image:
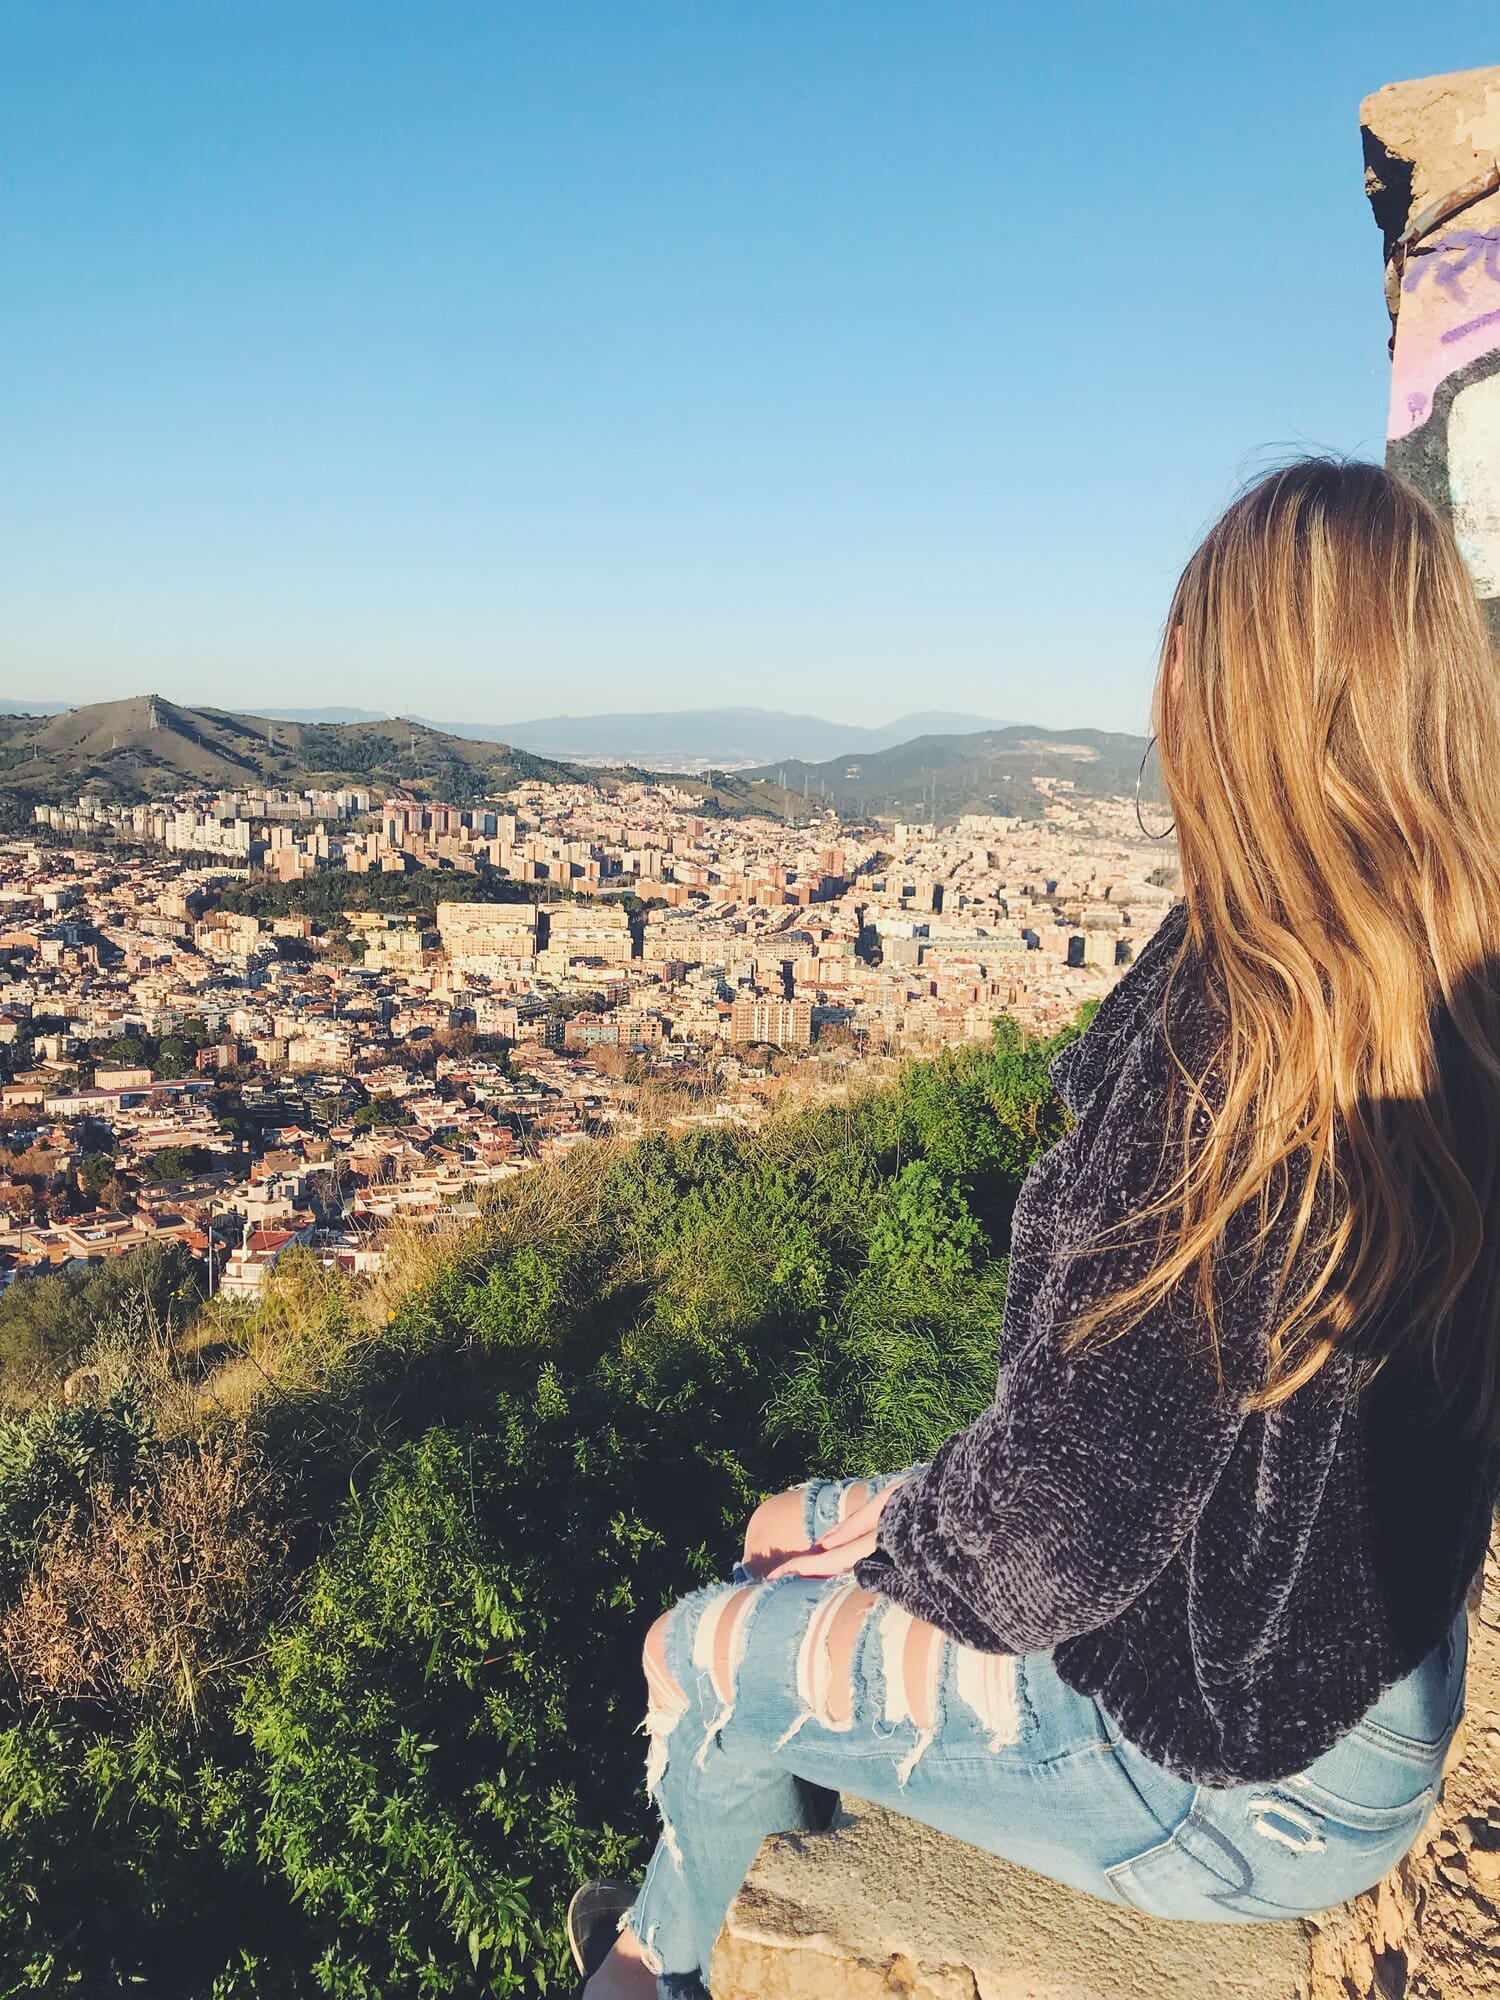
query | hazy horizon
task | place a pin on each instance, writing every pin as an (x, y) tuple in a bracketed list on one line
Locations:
[(496, 364)]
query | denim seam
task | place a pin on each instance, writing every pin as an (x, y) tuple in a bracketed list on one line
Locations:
[(1122, 1759), (1404, 1749), (1039, 1766), (1187, 1840)]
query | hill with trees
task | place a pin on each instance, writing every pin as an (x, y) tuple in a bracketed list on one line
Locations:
[(321, 1613), (990, 770), (147, 747)]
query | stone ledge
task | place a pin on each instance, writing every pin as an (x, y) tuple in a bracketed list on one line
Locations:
[(879, 1905)]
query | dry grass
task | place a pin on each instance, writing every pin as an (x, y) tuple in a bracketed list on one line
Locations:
[(138, 1602), (308, 1323)]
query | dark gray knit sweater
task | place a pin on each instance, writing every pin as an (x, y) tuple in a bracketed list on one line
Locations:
[(1235, 1590)]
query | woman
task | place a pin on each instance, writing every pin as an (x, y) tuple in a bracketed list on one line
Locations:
[(1179, 1619)]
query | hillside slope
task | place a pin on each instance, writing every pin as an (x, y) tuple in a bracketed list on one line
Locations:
[(145, 746), (321, 1624), (715, 735), (990, 770)]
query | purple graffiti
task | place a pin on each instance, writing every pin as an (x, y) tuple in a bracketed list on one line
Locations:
[(1471, 326), (1465, 247)]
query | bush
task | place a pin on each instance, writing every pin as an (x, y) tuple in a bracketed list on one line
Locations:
[(382, 1110), (177, 1163), (48, 1324), (136, 1602), (421, 1734), (923, 1229), (121, 1873), (52, 1460)]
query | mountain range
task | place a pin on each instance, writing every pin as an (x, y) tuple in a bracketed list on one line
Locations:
[(989, 770), (696, 737), (148, 746), (675, 739)]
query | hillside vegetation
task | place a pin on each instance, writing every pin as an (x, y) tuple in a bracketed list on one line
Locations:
[(990, 770), (149, 748), (322, 1616), (146, 747)]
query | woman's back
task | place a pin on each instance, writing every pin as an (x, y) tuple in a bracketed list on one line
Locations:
[(1236, 1587)]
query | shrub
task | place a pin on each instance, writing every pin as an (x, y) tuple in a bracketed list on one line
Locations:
[(51, 1461), (896, 1372), (176, 1163), (923, 1228), (381, 1110), (120, 1872), (422, 1728), (137, 1601), (48, 1324)]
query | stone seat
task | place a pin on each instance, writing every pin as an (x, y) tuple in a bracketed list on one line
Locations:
[(879, 1905)]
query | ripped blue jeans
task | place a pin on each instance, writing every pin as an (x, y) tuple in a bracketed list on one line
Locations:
[(768, 1690)]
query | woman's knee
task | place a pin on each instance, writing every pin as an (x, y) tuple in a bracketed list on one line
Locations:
[(654, 1652), (778, 1527), (714, 1624)]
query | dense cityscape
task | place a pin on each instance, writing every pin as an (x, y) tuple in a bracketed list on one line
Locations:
[(257, 1020)]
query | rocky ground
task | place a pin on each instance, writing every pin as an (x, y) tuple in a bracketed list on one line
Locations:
[(1432, 1930)]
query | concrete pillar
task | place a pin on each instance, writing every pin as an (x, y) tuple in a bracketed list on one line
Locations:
[(1431, 174)]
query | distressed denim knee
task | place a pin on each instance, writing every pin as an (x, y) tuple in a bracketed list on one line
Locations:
[(864, 1661), (693, 1657)]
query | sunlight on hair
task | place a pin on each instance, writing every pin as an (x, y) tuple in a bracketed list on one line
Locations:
[(1329, 750)]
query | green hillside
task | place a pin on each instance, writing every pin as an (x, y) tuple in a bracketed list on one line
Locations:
[(991, 771), (145, 746), (148, 748), (321, 1616)]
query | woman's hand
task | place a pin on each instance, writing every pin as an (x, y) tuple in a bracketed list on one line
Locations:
[(841, 1547)]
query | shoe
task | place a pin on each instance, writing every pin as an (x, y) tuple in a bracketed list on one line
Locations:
[(594, 1922)]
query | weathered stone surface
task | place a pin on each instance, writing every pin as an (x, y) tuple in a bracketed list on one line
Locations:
[(1435, 133), (1431, 142), (880, 1906)]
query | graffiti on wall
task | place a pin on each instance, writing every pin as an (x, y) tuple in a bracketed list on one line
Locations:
[(1444, 431)]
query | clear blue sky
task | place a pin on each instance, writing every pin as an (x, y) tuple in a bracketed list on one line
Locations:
[(489, 360)]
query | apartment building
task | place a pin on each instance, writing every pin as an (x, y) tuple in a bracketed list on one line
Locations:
[(785, 1023)]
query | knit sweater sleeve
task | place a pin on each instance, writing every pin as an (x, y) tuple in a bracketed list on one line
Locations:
[(1070, 1494)]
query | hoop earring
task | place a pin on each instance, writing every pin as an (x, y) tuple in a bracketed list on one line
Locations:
[(1171, 825)]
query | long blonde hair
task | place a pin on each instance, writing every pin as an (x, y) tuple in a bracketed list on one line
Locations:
[(1330, 742)]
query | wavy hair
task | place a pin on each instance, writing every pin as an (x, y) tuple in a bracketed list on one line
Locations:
[(1328, 713)]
